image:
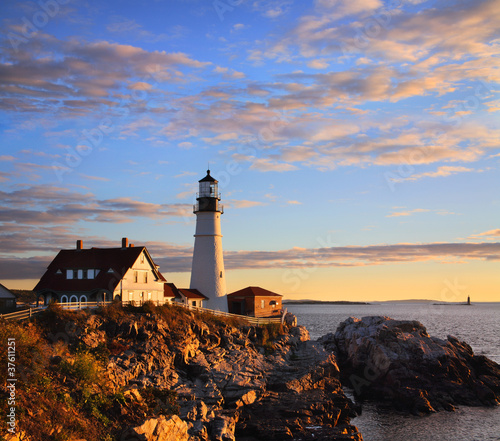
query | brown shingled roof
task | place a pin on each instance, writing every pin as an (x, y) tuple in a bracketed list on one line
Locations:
[(253, 291), (170, 290)]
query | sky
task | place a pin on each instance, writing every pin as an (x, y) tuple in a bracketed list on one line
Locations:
[(356, 143)]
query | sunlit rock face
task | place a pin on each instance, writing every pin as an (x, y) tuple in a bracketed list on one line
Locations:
[(397, 361)]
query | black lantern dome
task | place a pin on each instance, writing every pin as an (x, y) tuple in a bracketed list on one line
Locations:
[(208, 196)]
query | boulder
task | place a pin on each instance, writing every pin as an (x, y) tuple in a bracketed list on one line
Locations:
[(160, 429), (395, 360)]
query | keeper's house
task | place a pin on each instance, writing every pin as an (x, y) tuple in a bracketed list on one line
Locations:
[(126, 273), (255, 301)]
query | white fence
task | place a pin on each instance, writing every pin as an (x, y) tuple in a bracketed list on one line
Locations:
[(27, 313)]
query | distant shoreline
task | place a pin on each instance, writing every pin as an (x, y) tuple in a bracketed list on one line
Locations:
[(454, 304), (322, 302)]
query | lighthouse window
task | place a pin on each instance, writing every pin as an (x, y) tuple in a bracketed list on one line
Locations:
[(220, 275), (204, 189)]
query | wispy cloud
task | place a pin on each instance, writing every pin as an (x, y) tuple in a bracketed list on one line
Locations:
[(408, 212), (441, 172), (176, 258)]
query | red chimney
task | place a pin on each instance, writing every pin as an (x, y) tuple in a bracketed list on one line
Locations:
[(124, 242), (79, 244), (131, 245)]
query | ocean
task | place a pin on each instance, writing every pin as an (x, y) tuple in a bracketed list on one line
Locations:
[(478, 325)]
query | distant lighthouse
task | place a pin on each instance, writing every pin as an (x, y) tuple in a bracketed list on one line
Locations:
[(207, 272)]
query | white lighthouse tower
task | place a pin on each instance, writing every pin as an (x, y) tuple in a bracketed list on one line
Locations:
[(207, 273)]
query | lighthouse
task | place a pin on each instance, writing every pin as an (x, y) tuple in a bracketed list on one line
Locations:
[(207, 272)]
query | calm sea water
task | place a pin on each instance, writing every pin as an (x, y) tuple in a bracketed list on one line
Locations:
[(478, 325)]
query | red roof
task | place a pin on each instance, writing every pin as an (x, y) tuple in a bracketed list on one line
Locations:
[(169, 290), (113, 263), (192, 294), (254, 291)]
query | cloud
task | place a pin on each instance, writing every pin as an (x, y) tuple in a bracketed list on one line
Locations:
[(489, 235), (78, 76), (242, 203), (362, 256), (272, 8), (185, 173), (49, 205), (178, 258), (408, 212), (441, 172), (95, 178), (493, 233), (268, 165)]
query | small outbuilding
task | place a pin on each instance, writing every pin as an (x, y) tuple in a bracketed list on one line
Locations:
[(7, 300), (255, 301), (191, 297)]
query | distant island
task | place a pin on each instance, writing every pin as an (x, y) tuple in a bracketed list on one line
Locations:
[(322, 302)]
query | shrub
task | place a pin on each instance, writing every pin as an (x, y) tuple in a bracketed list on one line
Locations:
[(113, 311), (84, 368)]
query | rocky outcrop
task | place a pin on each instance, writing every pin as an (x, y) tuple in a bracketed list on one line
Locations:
[(397, 361), (227, 383), (303, 401)]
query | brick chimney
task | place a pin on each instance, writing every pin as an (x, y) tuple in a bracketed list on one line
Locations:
[(124, 242), (79, 244)]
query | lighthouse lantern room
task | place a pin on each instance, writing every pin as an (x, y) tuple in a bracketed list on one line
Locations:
[(207, 272)]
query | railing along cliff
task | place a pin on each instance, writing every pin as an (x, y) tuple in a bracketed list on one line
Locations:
[(27, 313)]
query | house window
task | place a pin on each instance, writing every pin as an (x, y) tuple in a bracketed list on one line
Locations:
[(131, 296), (90, 273), (149, 296), (262, 304), (145, 277), (142, 258), (136, 277), (69, 274), (193, 303)]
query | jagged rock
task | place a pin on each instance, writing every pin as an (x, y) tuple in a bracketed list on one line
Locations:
[(290, 319), (398, 361), (222, 428), (94, 338), (304, 399), (160, 429), (300, 332)]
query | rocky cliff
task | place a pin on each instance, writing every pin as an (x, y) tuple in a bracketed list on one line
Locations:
[(398, 362), (169, 374)]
